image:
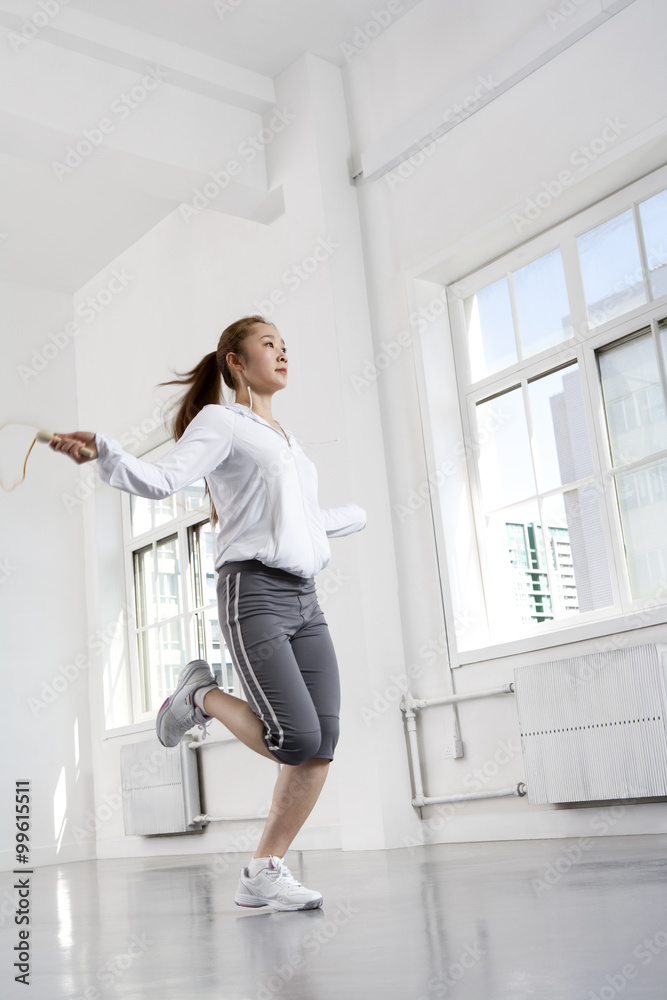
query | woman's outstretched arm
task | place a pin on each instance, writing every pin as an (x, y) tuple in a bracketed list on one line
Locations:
[(204, 444)]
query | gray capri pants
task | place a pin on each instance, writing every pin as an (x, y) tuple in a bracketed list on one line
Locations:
[(283, 656)]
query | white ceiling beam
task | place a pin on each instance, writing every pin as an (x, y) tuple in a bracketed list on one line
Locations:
[(133, 50)]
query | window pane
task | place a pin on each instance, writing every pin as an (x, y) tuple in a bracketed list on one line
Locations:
[(215, 648), (202, 562), (633, 399), (144, 586), (149, 669), (653, 213), (209, 644), (611, 269), (208, 539), (172, 649), (140, 514), (505, 463), (541, 571), (206, 636), (146, 514), (642, 497), (518, 593), (195, 494), (543, 309), (560, 435), (562, 585), (491, 341), (580, 570), (168, 578), (228, 674)]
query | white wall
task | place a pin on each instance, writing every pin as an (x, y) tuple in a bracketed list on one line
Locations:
[(437, 218), (46, 735)]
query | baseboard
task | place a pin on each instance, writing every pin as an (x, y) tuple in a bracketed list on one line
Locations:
[(228, 838), (446, 827)]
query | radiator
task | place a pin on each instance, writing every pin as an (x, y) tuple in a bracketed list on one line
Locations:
[(593, 727), (160, 788)]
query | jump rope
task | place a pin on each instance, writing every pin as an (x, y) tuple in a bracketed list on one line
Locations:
[(46, 437)]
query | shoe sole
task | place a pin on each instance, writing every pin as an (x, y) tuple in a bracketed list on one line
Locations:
[(183, 678), (241, 899)]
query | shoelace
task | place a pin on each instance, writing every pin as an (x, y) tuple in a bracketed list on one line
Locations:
[(283, 874), (195, 716)]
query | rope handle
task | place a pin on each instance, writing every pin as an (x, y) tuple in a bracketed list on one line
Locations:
[(45, 436)]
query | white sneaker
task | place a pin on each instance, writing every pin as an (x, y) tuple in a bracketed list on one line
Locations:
[(179, 712), (276, 887)]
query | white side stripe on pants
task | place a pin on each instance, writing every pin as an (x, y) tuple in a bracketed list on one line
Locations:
[(249, 667)]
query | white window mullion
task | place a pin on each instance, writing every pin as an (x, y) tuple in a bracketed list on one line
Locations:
[(133, 656), (470, 608), (457, 321), (575, 288), (515, 318), (606, 486), (661, 364), (640, 463), (185, 584), (642, 251), (156, 627), (469, 418)]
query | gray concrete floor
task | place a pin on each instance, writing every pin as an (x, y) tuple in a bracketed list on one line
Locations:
[(492, 921)]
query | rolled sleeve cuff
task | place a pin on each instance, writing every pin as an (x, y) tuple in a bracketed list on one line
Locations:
[(344, 520)]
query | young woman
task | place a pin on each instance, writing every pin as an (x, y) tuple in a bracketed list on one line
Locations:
[(272, 541)]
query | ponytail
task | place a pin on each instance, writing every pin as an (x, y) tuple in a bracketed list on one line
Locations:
[(205, 380)]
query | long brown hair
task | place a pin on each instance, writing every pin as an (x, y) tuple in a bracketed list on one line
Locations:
[(205, 379)]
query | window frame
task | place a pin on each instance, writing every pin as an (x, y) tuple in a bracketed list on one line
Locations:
[(179, 526), (582, 347)]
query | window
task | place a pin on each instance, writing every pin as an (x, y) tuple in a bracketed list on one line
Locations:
[(171, 584), (633, 385), (560, 356)]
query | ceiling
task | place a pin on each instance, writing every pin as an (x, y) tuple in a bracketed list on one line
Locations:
[(221, 57), (261, 35)]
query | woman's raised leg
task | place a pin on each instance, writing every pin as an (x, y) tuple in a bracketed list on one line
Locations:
[(237, 715)]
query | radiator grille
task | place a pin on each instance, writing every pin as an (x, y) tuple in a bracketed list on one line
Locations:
[(593, 727), (160, 788)]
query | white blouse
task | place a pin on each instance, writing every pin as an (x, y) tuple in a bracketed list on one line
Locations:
[(263, 487)]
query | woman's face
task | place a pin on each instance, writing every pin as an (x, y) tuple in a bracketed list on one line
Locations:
[(265, 365)]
